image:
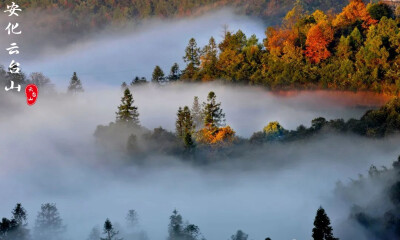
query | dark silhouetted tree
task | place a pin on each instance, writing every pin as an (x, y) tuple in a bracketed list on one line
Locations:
[(174, 74), (138, 81), (75, 85), (177, 230), (109, 231), (19, 217), (6, 227), (175, 227), (322, 226), (380, 10)]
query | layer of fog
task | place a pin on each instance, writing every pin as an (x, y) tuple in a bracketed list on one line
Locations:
[(49, 155), (48, 152), (113, 56)]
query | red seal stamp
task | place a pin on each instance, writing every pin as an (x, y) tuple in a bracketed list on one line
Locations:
[(31, 92)]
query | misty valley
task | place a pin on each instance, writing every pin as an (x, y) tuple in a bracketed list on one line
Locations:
[(276, 120), (75, 168)]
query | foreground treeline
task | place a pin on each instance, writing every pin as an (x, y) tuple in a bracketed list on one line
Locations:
[(201, 130), (50, 226), (356, 49), (380, 217)]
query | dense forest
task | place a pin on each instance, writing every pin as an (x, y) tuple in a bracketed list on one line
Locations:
[(356, 49), (101, 13)]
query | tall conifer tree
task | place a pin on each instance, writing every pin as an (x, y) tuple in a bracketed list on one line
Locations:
[(75, 85), (127, 113), (322, 226)]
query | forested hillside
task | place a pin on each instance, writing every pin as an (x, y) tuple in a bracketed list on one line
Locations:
[(355, 49), (100, 13)]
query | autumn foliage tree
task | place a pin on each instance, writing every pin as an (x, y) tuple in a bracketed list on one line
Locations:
[(214, 132), (355, 11), (318, 39)]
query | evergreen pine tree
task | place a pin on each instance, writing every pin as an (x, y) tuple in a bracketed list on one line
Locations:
[(197, 113), (175, 227), (135, 81), (6, 227), (179, 130), (19, 217), (185, 126), (109, 231), (75, 85), (177, 230), (213, 115), (158, 75), (192, 59), (48, 224), (127, 113), (322, 226), (174, 73), (138, 81), (209, 59), (184, 123), (188, 141)]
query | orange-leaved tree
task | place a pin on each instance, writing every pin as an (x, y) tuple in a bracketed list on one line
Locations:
[(278, 39), (355, 11), (318, 39), (216, 136)]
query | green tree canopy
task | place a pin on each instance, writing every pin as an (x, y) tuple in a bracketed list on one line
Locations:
[(127, 113), (174, 73), (158, 75), (380, 10), (213, 114), (192, 59)]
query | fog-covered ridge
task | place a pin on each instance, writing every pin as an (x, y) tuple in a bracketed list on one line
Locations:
[(50, 155)]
